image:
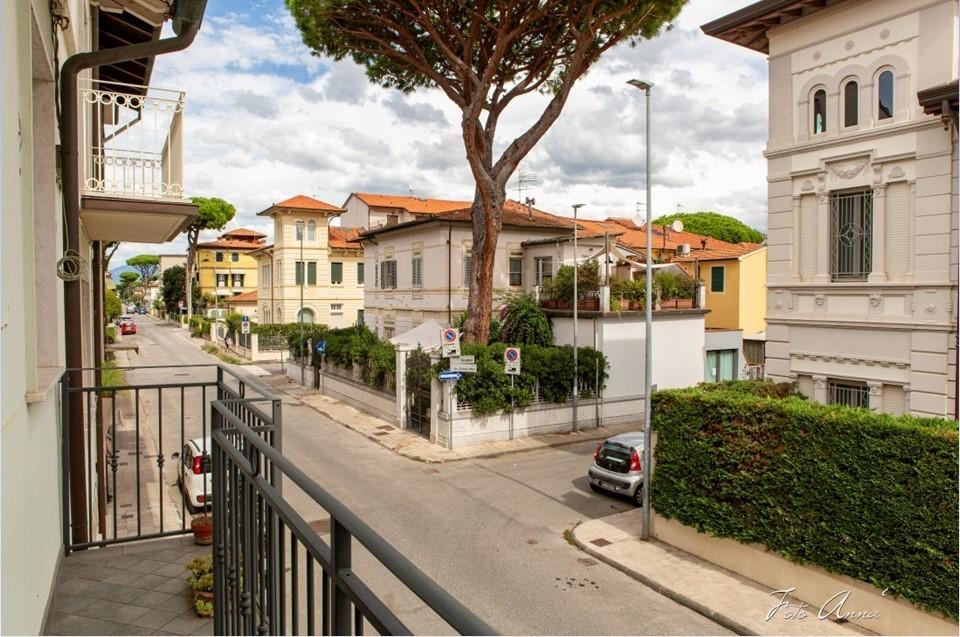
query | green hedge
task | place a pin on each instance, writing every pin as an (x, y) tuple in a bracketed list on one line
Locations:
[(349, 346), (489, 390), (858, 493)]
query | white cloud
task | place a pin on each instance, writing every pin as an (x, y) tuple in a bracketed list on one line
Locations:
[(265, 120)]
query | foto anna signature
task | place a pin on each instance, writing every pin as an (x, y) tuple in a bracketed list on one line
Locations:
[(832, 608)]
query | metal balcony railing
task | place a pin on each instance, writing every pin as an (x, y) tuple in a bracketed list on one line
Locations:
[(131, 141)]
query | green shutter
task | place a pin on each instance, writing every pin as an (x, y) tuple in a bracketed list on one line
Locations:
[(299, 273), (716, 278), (360, 275), (336, 272), (312, 273)]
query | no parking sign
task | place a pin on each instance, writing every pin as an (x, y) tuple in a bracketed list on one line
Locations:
[(511, 359), (450, 342)]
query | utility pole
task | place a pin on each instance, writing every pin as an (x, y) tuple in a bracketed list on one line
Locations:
[(576, 302)]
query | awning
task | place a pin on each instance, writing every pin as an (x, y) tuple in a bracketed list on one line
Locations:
[(426, 336)]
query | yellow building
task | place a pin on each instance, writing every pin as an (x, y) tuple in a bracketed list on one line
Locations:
[(225, 267), (734, 276)]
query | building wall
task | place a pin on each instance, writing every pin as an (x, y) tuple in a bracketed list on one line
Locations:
[(753, 292), (31, 341), (208, 267), (279, 297), (895, 330), (394, 311), (724, 306)]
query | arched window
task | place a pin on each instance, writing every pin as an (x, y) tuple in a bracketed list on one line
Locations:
[(311, 230), (885, 95), (851, 103), (819, 111), (306, 314)]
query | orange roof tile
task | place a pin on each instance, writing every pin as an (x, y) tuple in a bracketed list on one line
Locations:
[(232, 243), (244, 297), (419, 205), (343, 238), (717, 250), (242, 232), (303, 202), (517, 214)]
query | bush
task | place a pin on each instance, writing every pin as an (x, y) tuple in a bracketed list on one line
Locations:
[(200, 325), (522, 322), (863, 494), (351, 346), (560, 286), (551, 368)]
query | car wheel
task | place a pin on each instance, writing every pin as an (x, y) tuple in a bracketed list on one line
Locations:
[(638, 496)]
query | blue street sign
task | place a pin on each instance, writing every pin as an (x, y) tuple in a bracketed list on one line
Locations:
[(321, 346), (450, 375)]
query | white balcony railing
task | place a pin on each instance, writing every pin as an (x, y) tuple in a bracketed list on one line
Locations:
[(132, 141)]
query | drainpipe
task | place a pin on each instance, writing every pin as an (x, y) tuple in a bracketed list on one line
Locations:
[(186, 22), (449, 273)]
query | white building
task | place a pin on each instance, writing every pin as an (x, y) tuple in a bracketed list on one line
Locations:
[(421, 268), (862, 202), (52, 297), (367, 210), (326, 268)]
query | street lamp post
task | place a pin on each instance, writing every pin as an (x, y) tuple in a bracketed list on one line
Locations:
[(648, 339), (576, 388), (303, 275)]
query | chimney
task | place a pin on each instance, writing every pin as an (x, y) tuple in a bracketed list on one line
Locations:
[(703, 244)]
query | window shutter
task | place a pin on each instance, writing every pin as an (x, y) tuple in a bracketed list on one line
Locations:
[(416, 274), (894, 400), (808, 237), (376, 274), (360, 274), (312, 273), (467, 268), (299, 273), (898, 230), (336, 272), (716, 278)]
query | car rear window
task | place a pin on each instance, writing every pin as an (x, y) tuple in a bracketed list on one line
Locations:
[(614, 457)]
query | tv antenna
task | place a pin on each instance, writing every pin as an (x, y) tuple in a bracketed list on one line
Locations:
[(522, 180)]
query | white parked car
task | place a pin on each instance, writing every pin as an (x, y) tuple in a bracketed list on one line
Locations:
[(197, 481)]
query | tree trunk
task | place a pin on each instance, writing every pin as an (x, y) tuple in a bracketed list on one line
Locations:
[(486, 213), (188, 277)]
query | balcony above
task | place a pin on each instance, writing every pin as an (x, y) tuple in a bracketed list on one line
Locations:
[(132, 163)]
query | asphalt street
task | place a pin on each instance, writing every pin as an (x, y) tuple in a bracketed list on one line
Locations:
[(489, 531)]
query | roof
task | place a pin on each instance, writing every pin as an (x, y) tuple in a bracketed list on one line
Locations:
[(303, 202), (514, 214), (243, 297), (569, 237), (242, 232), (232, 244), (717, 250), (343, 238), (748, 26), (931, 99), (417, 205)]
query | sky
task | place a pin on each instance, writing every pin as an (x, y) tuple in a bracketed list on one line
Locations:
[(265, 120)]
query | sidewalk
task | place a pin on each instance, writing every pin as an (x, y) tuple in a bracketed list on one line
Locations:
[(411, 445), (732, 601)]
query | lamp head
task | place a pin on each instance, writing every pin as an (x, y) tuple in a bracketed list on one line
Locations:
[(640, 84)]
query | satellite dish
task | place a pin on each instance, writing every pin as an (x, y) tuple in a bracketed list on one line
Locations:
[(677, 226)]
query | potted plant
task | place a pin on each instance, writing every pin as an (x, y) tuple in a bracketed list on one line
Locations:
[(201, 581), (202, 527)]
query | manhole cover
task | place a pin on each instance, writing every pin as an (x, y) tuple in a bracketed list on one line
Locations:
[(600, 542)]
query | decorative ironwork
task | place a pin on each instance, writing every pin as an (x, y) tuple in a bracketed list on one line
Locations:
[(851, 235), (848, 393), (132, 141)]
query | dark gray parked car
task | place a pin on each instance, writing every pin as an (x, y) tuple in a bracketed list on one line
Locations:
[(617, 466)]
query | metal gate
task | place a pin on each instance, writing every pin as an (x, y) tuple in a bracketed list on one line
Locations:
[(418, 392)]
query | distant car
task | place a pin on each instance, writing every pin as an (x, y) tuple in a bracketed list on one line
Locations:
[(127, 326), (618, 467), (142, 310), (196, 481)]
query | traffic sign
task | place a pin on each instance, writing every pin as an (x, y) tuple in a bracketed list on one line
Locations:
[(450, 342), (448, 376), (321, 346), (511, 359), (245, 325), (466, 364)]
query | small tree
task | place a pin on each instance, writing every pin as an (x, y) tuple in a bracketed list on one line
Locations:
[(172, 288), (522, 322), (213, 213), (112, 308), (482, 55), (147, 265), (125, 286)]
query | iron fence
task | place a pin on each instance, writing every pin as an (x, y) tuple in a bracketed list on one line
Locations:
[(258, 582), (134, 431)]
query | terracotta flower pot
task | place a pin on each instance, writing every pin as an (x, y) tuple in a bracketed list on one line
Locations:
[(564, 304), (202, 527), (589, 305)]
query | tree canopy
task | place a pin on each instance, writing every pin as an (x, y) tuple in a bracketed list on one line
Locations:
[(482, 54), (126, 284), (146, 264), (716, 225), (213, 213), (172, 290)]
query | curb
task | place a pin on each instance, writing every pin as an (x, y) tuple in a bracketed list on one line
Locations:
[(724, 620)]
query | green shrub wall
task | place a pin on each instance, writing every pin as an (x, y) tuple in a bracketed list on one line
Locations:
[(862, 494)]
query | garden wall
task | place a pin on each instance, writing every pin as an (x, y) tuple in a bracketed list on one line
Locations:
[(358, 395)]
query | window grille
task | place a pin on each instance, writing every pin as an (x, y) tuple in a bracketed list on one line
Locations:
[(851, 235), (848, 393)]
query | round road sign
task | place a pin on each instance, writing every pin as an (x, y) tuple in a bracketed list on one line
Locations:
[(449, 335), (511, 354)]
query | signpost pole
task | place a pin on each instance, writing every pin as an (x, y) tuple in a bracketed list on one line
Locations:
[(511, 406)]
